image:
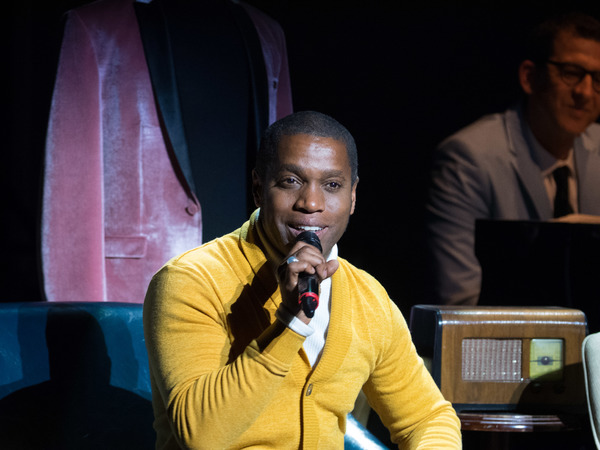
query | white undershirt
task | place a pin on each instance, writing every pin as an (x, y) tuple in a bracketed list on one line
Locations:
[(547, 164), (316, 331)]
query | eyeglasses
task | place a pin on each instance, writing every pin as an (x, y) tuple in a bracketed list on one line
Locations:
[(572, 74)]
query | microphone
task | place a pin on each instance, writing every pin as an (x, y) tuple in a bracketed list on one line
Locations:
[(308, 285)]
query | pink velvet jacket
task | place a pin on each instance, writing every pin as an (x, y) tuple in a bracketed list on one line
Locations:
[(115, 206)]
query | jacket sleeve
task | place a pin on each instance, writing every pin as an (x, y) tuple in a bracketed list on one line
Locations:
[(458, 195), (210, 397), (72, 217), (405, 396)]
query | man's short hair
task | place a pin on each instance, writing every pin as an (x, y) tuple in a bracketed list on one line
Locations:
[(311, 123), (540, 46)]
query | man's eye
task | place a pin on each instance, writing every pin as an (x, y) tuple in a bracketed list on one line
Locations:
[(333, 185), (572, 72), (289, 181)]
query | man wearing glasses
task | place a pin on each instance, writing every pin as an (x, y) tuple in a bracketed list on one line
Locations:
[(504, 165)]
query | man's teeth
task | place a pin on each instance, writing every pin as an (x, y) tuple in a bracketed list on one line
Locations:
[(310, 228)]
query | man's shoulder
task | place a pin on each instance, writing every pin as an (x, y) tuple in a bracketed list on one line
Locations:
[(486, 129), (369, 298), (592, 136), (213, 252), (487, 139), (588, 142), (357, 275)]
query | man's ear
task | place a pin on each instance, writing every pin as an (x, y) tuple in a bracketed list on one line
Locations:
[(256, 188), (527, 76), (354, 197)]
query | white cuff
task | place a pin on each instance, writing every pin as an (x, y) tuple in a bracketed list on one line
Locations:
[(284, 315)]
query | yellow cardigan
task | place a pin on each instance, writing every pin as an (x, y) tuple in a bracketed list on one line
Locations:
[(227, 374)]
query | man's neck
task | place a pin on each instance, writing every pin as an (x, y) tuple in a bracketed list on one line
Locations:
[(553, 140)]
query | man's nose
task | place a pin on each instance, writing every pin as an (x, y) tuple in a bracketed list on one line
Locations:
[(311, 199), (585, 88)]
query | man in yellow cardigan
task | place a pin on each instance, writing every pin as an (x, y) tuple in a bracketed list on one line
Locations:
[(236, 362)]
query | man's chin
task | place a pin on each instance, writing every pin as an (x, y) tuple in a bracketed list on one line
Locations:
[(575, 126), (578, 121)]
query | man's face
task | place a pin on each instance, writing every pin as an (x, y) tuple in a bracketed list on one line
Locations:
[(567, 109), (308, 187)]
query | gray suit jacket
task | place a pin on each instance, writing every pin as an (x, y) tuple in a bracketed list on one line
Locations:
[(486, 171)]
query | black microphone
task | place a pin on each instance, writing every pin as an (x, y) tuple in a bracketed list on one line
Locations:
[(308, 285)]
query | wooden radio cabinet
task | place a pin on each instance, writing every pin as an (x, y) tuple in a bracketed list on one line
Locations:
[(494, 358)]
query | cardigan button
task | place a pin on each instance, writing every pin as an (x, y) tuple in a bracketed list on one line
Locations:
[(309, 389)]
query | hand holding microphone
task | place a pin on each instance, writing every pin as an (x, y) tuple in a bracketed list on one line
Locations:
[(302, 272), (308, 284)]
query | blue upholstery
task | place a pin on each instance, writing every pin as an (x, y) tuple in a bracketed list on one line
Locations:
[(358, 437), (75, 376)]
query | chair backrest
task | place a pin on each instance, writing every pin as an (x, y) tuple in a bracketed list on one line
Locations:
[(76, 375), (591, 367)]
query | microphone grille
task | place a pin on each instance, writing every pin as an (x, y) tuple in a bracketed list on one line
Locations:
[(310, 238)]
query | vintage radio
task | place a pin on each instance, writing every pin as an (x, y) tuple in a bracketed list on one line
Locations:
[(494, 358)]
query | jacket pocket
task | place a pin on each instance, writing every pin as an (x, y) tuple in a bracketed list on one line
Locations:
[(125, 246)]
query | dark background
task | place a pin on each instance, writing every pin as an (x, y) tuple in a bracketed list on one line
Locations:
[(400, 76)]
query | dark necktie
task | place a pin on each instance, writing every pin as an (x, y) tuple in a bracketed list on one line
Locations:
[(562, 207)]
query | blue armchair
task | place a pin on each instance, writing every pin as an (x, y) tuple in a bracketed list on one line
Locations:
[(75, 376)]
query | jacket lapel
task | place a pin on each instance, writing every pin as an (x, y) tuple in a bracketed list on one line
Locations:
[(587, 163), (160, 65), (209, 78), (528, 172), (339, 333)]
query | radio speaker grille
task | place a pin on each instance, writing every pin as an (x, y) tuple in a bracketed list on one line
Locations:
[(491, 360)]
